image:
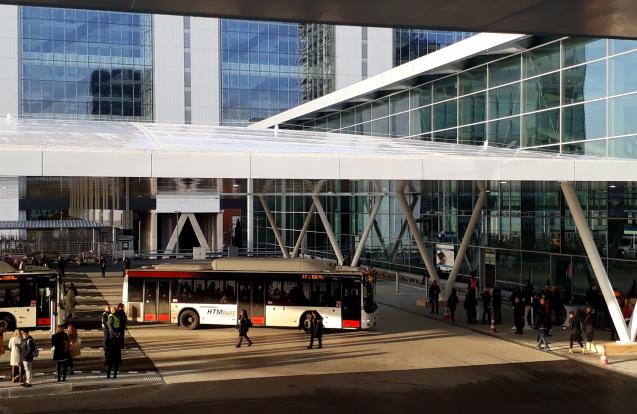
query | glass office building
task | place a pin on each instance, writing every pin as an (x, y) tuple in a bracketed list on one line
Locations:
[(268, 67), (83, 64), (410, 44), (569, 96)]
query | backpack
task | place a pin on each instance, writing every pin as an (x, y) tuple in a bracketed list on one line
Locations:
[(249, 323)]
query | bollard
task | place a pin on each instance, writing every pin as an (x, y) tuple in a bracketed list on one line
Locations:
[(397, 283)]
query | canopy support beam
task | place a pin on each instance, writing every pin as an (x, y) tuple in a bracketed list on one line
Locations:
[(366, 230), (275, 229), (328, 229)]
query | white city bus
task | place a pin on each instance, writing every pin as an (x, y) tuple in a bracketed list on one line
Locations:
[(275, 292), (26, 298)]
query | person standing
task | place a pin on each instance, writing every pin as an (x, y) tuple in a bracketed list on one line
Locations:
[(105, 330), (126, 266), (69, 303), (113, 323), (588, 326), (434, 293), (113, 356), (1, 341), (243, 326), (123, 320), (486, 306), (103, 265), (61, 343), (496, 301), (61, 266), (75, 346), (470, 304), (15, 356), (529, 294), (452, 304), (316, 330), (519, 312), (29, 352), (542, 320), (574, 327)]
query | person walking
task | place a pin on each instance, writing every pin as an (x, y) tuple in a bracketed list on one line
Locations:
[(542, 326), (243, 326), (496, 301), (61, 266), (75, 346), (29, 352), (126, 266), (452, 304), (588, 327), (61, 344), (316, 330), (574, 327), (113, 356), (15, 356), (486, 306), (434, 293), (470, 304), (103, 265), (70, 301), (519, 313)]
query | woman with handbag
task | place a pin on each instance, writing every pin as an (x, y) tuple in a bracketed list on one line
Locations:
[(61, 344), (15, 358)]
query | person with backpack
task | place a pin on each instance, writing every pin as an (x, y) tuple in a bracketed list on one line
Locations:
[(29, 353), (61, 344), (244, 324), (316, 330)]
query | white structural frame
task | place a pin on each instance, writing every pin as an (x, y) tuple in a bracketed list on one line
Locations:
[(596, 262), (174, 238), (415, 231), (328, 229), (275, 228), (466, 239), (366, 230)]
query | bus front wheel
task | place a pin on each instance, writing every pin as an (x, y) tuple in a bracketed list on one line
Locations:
[(7, 323), (189, 319)]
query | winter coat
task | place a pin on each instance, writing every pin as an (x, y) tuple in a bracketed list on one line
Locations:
[(15, 346), (486, 299), (453, 300), (28, 349), (574, 325), (244, 325), (542, 319), (122, 319), (434, 291), (588, 324), (470, 301), (496, 298), (316, 327), (61, 344)]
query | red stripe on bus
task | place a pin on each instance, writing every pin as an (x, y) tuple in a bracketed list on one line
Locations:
[(258, 320), (160, 274), (164, 317), (43, 321), (351, 324), (149, 317)]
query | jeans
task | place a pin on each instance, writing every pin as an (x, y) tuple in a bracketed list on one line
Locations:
[(28, 369), (60, 369), (541, 338), (320, 341)]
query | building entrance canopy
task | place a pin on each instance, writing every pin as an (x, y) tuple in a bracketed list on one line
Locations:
[(105, 149), (605, 18)]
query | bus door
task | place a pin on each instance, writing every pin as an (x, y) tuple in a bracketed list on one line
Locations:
[(46, 292), (156, 301), (351, 304), (251, 297)]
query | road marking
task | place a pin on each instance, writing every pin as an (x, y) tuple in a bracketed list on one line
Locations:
[(133, 372), (96, 372)]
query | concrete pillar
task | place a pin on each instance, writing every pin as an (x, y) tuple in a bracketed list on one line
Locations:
[(249, 225)]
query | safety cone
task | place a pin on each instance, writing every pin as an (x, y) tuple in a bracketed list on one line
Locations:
[(603, 360), (446, 316), (492, 328)]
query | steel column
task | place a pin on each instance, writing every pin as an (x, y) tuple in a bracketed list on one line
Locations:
[(328, 229), (306, 226), (466, 239), (366, 230), (250, 215), (415, 231), (275, 229), (596, 261)]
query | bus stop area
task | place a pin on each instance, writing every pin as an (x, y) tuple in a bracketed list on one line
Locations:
[(408, 343)]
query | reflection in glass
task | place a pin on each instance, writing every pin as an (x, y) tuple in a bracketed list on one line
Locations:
[(445, 115), (542, 60), (541, 128), (622, 73), (445, 88), (472, 109), (504, 71), (625, 147), (473, 80), (579, 50), (585, 121), (472, 135), (504, 101), (420, 96), (505, 133), (584, 82), (399, 124), (622, 115), (420, 120), (542, 92)]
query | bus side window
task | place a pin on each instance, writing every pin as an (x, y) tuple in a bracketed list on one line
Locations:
[(335, 293), (11, 295), (229, 295), (135, 290)]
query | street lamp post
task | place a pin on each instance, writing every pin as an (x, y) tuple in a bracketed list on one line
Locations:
[(177, 226)]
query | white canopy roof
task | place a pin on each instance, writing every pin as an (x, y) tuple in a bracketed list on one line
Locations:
[(119, 149)]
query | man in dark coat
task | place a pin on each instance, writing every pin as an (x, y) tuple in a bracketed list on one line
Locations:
[(434, 292), (452, 303), (496, 301), (243, 326), (113, 356), (470, 303), (518, 315), (486, 306), (61, 266), (316, 330), (103, 266)]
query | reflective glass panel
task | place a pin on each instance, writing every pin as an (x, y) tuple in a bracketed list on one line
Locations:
[(584, 82), (505, 132), (445, 115), (622, 110), (578, 50), (585, 121), (542, 92), (420, 120), (541, 128), (472, 109), (473, 80), (420, 96), (504, 71), (504, 101), (445, 88), (542, 60), (622, 73)]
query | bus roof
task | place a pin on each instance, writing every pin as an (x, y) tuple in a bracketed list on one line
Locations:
[(269, 264)]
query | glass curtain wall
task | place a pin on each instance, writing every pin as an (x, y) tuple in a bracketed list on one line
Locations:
[(572, 96), (526, 232), (410, 44), (269, 67), (85, 64)]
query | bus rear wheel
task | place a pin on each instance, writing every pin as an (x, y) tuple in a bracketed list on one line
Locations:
[(7, 323), (189, 319)]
